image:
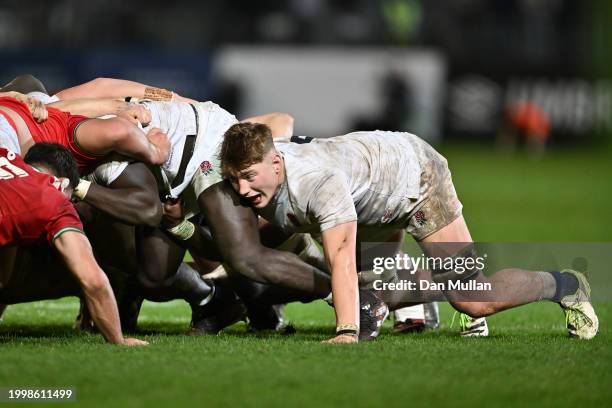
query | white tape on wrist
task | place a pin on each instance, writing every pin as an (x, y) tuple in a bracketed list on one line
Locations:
[(183, 231), (81, 189)]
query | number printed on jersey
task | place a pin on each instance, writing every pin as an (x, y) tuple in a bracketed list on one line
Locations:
[(8, 170)]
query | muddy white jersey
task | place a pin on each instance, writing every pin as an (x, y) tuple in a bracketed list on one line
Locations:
[(369, 177), (177, 120)]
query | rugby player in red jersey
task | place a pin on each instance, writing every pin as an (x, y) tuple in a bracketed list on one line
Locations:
[(34, 205), (89, 140)]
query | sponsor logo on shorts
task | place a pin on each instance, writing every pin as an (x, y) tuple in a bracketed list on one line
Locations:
[(206, 168), (419, 218)]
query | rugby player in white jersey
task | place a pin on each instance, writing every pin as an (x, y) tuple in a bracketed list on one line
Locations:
[(368, 185), (232, 227), (203, 124)]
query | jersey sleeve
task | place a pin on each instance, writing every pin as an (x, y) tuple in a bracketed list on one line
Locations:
[(63, 218), (331, 202), (106, 173)]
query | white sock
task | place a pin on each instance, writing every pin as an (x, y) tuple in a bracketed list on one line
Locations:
[(208, 298), (411, 312)]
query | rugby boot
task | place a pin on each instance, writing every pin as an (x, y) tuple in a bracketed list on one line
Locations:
[(223, 310), (473, 327), (268, 318), (409, 326), (580, 317), (372, 315)]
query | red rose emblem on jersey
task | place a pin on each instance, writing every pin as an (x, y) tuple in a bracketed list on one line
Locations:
[(419, 217), (386, 216), (206, 167)]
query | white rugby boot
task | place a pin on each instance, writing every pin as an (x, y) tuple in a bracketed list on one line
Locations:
[(580, 317)]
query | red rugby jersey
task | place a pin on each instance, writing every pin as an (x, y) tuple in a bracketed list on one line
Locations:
[(58, 128), (30, 206)]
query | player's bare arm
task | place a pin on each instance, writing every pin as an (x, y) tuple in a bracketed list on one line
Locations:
[(280, 123), (102, 136), (236, 232), (132, 198), (96, 107), (339, 243), (77, 253), (36, 107), (120, 88), (7, 259)]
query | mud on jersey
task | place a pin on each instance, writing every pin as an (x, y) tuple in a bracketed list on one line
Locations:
[(370, 177)]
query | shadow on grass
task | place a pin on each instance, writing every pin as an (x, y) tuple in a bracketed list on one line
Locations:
[(18, 331)]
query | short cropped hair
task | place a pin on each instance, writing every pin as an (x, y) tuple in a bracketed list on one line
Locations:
[(57, 158), (244, 144)]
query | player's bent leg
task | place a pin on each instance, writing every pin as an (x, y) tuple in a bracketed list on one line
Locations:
[(235, 230), (164, 277), (262, 303), (481, 296), (159, 259), (220, 309), (7, 262), (38, 274)]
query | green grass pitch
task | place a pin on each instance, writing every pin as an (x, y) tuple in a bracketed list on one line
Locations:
[(527, 360)]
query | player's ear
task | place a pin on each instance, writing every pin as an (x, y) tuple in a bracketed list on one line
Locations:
[(276, 162), (63, 185)]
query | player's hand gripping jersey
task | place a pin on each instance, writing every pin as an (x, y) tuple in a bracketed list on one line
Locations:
[(31, 206)]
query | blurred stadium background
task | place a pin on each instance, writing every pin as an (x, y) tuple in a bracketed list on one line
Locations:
[(443, 69), (467, 75)]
